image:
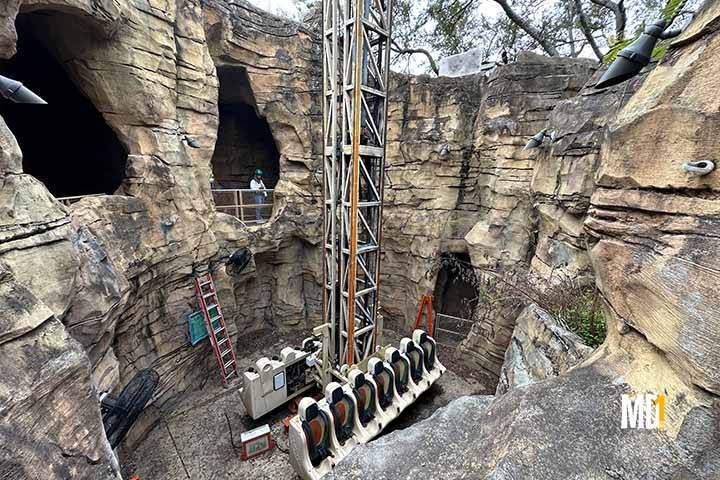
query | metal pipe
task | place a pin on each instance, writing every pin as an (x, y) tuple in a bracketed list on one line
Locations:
[(355, 189)]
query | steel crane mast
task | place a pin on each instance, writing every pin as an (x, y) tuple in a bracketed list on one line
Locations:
[(356, 65)]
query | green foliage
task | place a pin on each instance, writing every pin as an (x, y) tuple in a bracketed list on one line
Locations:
[(583, 317), (669, 12), (502, 293), (672, 9), (455, 21), (615, 49)]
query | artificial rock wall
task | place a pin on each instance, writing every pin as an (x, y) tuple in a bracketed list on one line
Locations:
[(114, 273), (651, 231), (94, 292), (106, 284), (115, 270), (653, 225), (458, 181)]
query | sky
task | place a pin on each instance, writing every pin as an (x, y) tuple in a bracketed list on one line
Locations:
[(409, 64), (278, 7)]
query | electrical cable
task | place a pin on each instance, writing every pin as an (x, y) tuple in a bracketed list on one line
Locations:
[(177, 450), (232, 438)]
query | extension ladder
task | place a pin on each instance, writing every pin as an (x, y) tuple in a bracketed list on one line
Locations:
[(215, 323)]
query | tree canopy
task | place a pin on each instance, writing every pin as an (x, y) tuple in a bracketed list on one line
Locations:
[(428, 29)]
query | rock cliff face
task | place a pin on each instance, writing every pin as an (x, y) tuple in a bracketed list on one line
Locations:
[(650, 230), (457, 178), (654, 225), (115, 272), (48, 427), (459, 182), (540, 348), (282, 62)]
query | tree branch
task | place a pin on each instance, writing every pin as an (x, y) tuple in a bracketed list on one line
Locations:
[(618, 10), (412, 51), (462, 10), (585, 27), (528, 28)]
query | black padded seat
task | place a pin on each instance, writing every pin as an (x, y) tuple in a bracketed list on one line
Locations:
[(343, 410), (415, 354), (401, 370), (384, 379), (365, 395), (428, 347), (316, 426)]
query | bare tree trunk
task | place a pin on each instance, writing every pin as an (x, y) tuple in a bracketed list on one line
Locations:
[(532, 31), (585, 27), (571, 33), (618, 10)]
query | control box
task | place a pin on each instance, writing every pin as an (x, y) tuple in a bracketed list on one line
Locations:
[(275, 381)]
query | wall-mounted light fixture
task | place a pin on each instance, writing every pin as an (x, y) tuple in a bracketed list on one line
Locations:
[(190, 142), (17, 92), (633, 58), (538, 139)]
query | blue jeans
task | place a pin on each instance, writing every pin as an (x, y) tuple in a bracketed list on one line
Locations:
[(259, 198)]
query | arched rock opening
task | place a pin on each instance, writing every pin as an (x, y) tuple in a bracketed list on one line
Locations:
[(455, 291), (66, 144), (245, 141)]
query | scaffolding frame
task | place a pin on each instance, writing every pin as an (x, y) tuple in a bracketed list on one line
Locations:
[(356, 65)]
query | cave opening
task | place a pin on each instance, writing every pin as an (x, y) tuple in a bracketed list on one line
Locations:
[(456, 293), (66, 144), (245, 142)]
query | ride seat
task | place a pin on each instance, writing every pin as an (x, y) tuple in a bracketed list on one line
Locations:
[(416, 356), (429, 348), (401, 369), (343, 411), (316, 427), (364, 394), (384, 378)]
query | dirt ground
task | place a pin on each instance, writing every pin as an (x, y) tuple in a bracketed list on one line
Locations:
[(199, 437)]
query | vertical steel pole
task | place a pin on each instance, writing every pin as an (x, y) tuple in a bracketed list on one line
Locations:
[(239, 210), (355, 172)]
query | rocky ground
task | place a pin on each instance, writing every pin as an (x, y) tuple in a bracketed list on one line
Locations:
[(198, 438)]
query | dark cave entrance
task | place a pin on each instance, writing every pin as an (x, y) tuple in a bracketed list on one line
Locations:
[(66, 144), (455, 291), (245, 141)]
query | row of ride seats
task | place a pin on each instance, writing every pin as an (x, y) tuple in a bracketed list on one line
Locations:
[(324, 432)]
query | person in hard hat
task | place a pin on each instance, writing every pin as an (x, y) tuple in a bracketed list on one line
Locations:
[(257, 185)]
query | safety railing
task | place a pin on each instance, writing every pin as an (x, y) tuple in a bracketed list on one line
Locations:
[(249, 206), (67, 201), (451, 331)]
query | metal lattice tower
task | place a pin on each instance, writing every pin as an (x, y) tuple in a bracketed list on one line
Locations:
[(356, 64)]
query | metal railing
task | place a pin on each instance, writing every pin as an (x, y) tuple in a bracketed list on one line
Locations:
[(451, 331), (243, 203), (67, 201)]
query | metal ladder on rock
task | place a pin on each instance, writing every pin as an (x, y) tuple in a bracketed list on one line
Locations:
[(215, 323)]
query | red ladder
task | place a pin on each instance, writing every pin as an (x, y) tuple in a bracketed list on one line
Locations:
[(426, 301), (215, 323)]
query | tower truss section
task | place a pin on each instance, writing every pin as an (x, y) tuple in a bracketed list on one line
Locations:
[(356, 65)]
